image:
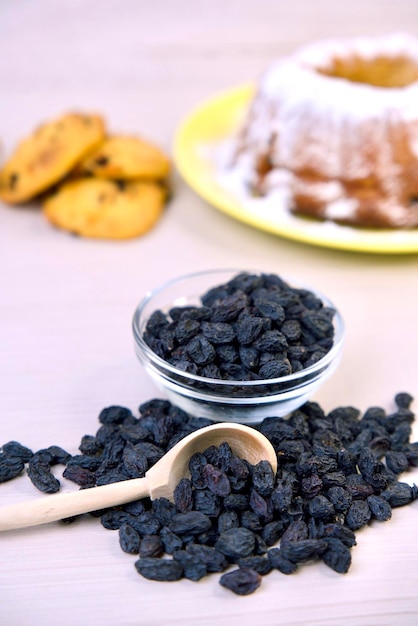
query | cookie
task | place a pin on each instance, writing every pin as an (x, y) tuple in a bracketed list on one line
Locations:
[(45, 157), (105, 209), (123, 157)]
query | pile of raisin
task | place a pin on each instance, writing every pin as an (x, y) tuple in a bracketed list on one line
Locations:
[(254, 327), (337, 472)]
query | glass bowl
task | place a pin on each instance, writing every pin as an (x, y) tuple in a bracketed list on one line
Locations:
[(243, 401)]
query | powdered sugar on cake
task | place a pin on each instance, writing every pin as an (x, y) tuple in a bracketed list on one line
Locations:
[(331, 147)]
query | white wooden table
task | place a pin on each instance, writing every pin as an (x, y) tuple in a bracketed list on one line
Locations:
[(66, 347)]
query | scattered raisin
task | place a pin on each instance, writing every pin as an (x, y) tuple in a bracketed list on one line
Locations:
[(336, 471), (280, 562), (10, 467), (159, 569), (241, 581), (129, 539), (15, 449), (236, 543), (39, 472), (193, 568), (337, 556)]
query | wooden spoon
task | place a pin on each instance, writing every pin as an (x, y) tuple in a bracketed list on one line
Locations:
[(160, 480)]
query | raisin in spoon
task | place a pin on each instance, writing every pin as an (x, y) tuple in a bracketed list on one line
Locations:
[(160, 480)]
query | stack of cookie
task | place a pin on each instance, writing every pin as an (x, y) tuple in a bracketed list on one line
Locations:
[(89, 183)]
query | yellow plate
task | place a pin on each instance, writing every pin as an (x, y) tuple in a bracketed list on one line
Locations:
[(196, 153)]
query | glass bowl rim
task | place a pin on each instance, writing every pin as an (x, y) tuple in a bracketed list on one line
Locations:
[(338, 321)]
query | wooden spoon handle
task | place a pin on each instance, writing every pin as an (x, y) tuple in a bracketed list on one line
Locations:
[(62, 505)]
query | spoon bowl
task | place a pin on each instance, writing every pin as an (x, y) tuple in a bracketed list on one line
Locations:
[(160, 480)]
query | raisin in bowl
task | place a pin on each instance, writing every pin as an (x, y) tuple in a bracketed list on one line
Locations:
[(238, 346)]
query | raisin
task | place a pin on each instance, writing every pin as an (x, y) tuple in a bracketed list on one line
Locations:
[(136, 507), (249, 356), (357, 487), (114, 415), (146, 524), (80, 476), (226, 355), (337, 556), (218, 332), (193, 568), (292, 331), (206, 502), (380, 445), (150, 545), (258, 563), (152, 452), (272, 531), (396, 461), (156, 322), (91, 463), (303, 550), (10, 467), (159, 569), (311, 485), (275, 369), (186, 329), (261, 506), (333, 479), (224, 457), (183, 496), (241, 581), (129, 539), (113, 475), (380, 509), (41, 476), (358, 514), (338, 531), (228, 309), (171, 542), (320, 507), (236, 543), (372, 470), (193, 522), (296, 531), (196, 466), (263, 478), (114, 518), (135, 463), (200, 350), (248, 329), (318, 323), (217, 480), (270, 308), (398, 494), (57, 455), (403, 400), (251, 520), (282, 497), (214, 560), (280, 562), (271, 341), (227, 520), (411, 453), (15, 449)]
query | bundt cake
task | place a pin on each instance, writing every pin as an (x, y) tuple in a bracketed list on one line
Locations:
[(332, 132)]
